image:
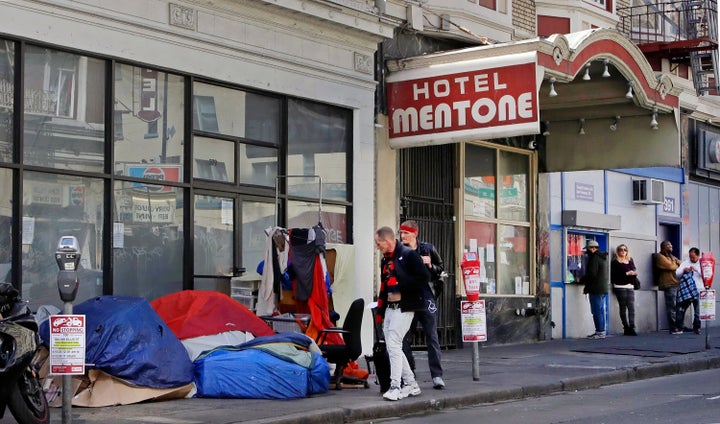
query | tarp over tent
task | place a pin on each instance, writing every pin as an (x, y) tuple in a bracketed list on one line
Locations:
[(195, 313), (128, 340), (283, 366)]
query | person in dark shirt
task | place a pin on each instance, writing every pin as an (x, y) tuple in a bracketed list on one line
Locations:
[(623, 276), (596, 284)]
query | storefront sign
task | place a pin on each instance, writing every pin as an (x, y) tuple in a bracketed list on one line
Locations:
[(474, 323), (475, 99), (149, 210), (584, 192), (67, 344)]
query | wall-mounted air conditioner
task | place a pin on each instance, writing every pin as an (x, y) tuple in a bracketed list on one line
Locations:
[(648, 191)]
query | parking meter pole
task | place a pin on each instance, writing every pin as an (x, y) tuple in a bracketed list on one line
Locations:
[(475, 361), (67, 257), (707, 271), (67, 382)]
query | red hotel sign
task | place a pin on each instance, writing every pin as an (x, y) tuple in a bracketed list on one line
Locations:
[(469, 100)]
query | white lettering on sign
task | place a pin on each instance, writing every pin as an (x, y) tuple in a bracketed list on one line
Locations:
[(498, 97)]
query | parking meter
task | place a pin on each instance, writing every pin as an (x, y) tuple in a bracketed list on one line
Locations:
[(67, 256)]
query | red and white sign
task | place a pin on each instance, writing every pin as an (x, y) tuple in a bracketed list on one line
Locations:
[(67, 344), (473, 320), (707, 305), (469, 100)]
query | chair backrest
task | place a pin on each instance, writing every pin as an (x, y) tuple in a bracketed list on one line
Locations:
[(353, 324)]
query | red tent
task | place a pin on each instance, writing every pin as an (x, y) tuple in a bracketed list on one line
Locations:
[(195, 313)]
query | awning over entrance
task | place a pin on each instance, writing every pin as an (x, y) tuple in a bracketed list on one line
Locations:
[(601, 105)]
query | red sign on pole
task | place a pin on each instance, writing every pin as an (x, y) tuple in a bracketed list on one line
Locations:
[(67, 344)]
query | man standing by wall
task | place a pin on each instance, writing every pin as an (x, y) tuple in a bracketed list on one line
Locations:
[(690, 265), (427, 317), (402, 275), (597, 286), (666, 264)]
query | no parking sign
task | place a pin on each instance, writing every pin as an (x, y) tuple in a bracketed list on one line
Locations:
[(707, 305)]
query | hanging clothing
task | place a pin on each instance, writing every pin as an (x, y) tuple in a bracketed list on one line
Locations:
[(306, 244), (277, 248)]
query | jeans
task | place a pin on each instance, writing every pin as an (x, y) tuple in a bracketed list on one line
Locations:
[(395, 327), (680, 310), (428, 321), (597, 307), (626, 303), (671, 305)]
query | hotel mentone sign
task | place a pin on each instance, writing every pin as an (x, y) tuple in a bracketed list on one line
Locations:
[(466, 100)]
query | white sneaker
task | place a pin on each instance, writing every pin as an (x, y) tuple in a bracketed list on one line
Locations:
[(411, 390), (438, 383), (393, 394)]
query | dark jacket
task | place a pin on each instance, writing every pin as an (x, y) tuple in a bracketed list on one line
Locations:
[(411, 274), (436, 269), (596, 273)]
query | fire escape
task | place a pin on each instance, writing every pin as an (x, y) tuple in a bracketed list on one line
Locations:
[(684, 32)]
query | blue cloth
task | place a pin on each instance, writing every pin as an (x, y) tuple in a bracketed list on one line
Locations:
[(687, 290)]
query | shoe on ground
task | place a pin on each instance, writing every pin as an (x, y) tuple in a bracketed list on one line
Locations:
[(393, 394), (676, 331), (410, 390), (630, 332), (697, 331), (596, 336), (438, 383)]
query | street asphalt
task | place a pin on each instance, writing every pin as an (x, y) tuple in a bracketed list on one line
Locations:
[(505, 373)]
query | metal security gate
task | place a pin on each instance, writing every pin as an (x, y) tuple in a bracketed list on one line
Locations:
[(426, 195)]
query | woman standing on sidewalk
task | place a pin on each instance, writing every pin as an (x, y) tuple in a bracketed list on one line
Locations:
[(623, 276)]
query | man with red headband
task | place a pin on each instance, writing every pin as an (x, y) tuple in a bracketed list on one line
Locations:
[(432, 260)]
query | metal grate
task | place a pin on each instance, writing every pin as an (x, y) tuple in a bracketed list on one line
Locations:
[(426, 196)]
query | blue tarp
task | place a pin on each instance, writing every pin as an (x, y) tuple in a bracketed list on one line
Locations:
[(127, 339), (270, 367)]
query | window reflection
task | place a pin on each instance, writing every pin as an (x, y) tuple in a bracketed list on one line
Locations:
[(514, 171), (256, 217), (236, 113), (332, 218), (55, 206), (6, 189), (214, 228), (480, 191), (147, 239), (214, 159), (7, 93), (64, 110), (319, 138), (148, 123)]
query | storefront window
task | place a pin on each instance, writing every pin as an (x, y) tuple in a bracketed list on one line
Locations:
[(6, 189), (319, 138), (236, 113), (307, 214), (498, 231), (147, 239), (214, 229), (258, 165), (256, 217), (514, 171), (214, 159), (64, 115), (148, 128), (479, 181), (7, 93), (55, 206)]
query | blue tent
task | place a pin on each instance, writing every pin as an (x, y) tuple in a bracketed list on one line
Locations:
[(127, 339)]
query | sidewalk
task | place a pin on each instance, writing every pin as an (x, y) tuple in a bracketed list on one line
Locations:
[(506, 372)]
